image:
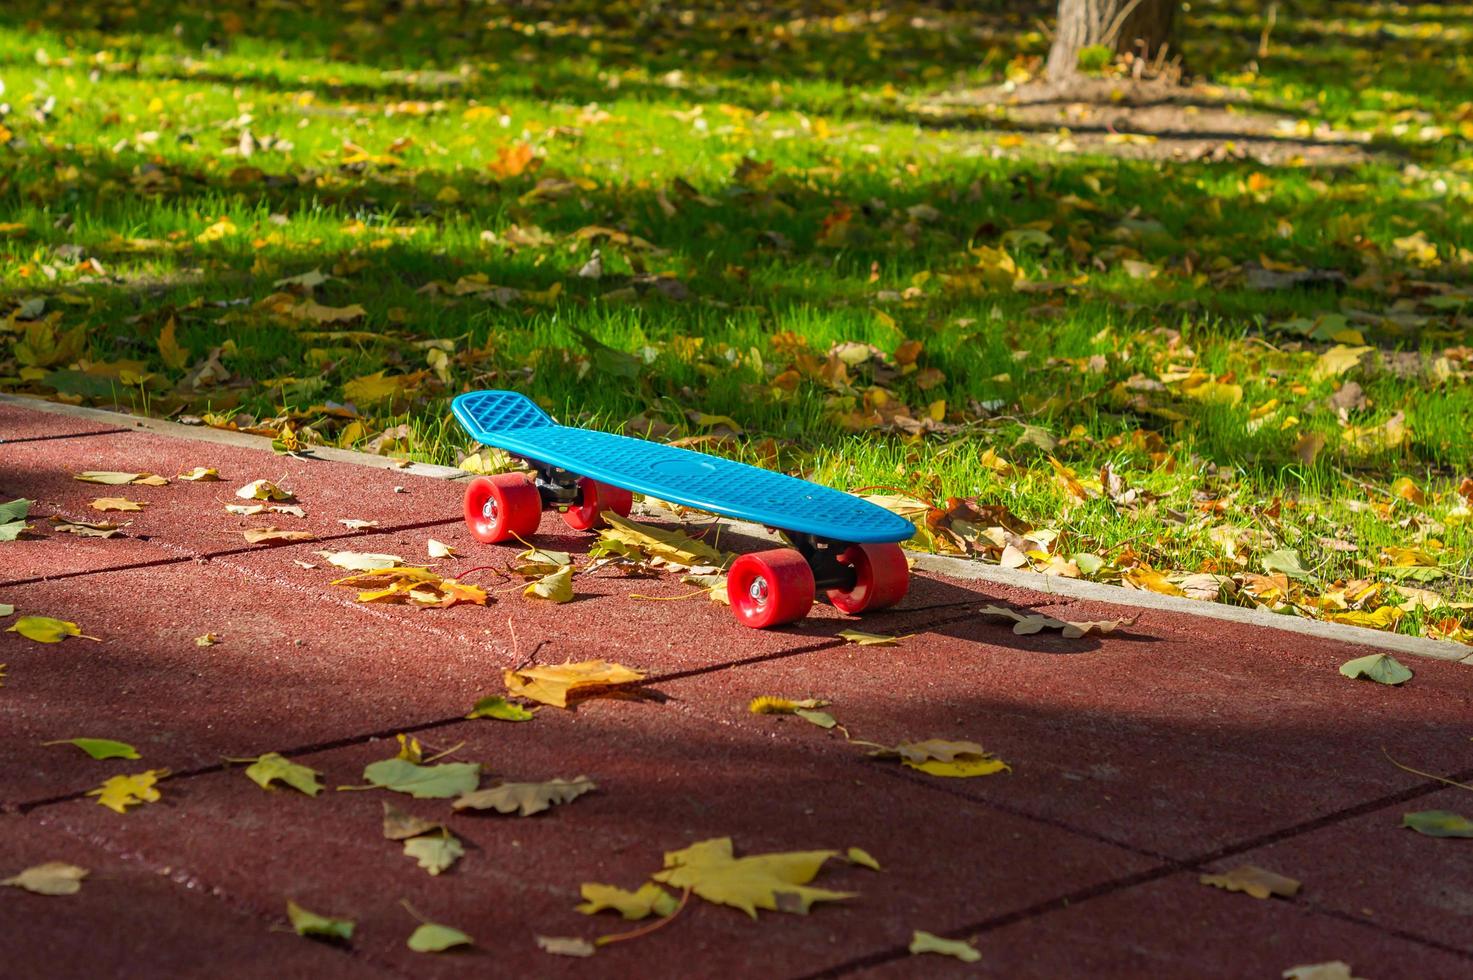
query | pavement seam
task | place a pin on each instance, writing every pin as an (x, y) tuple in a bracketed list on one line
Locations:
[(61, 435), (1170, 866)]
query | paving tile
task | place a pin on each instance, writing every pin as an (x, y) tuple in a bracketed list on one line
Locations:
[(1176, 927), (133, 919), (1389, 877), (18, 422), (666, 780), (1147, 739)]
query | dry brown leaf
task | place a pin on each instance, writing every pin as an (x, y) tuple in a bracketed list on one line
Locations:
[(554, 685), (256, 535)]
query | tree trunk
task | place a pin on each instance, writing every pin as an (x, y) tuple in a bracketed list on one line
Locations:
[(1141, 27)]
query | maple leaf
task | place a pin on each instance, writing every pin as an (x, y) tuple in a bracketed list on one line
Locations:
[(435, 852), (431, 937), (307, 923), (940, 757), (649, 900), (525, 799), (1252, 880), (44, 629), (925, 942), (51, 878), (116, 503), (273, 766), (777, 882), (100, 748), (121, 792), (554, 685), (436, 782), (556, 586)]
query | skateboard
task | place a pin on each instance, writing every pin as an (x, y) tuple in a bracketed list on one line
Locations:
[(846, 547)]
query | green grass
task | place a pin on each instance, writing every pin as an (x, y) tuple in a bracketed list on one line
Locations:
[(374, 134)]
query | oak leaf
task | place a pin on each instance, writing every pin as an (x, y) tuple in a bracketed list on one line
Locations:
[(525, 799), (555, 684), (777, 882)]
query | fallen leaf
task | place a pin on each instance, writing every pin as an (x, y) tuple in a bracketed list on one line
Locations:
[(82, 529), (1284, 561), (435, 852), (439, 549), (437, 782), (201, 474), (13, 518), (1149, 579), (1438, 823), (556, 586), (777, 882), (925, 942), (1337, 360), (1332, 970), (206, 639), (44, 629), (431, 937), (651, 899), (119, 479), (263, 490), (416, 585), (400, 825), (871, 639), (940, 757), (320, 926), (554, 685), (658, 545), (51, 878), (121, 792), (257, 535), (1379, 667), (356, 524), (361, 561), (501, 709), (820, 718), (1025, 624), (861, 857), (100, 748), (116, 503), (525, 799), (1252, 880), (273, 766), (566, 946)]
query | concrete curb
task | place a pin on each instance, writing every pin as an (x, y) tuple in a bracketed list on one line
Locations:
[(955, 567)]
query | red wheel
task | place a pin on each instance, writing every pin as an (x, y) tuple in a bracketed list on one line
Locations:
[(596, 498), (769, 588), (881, 578), (502, 506)]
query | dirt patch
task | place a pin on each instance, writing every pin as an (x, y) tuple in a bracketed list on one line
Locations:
[(1151, 121)]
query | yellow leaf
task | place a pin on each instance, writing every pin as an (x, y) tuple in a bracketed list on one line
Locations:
[(1337, 360), (659, 545), (871, 639), (51, 878), (556, 586), (256, 535), (174, 356), (1408, 491), (317, 313), (1255, 881), (116, 503), (207, 639), (861, 857), (1382, 619), (925, 942), (1215, 393), (939, 757), (216, 231), (651, 899), (121, 792), (438, 549), (263, 490), (1150, 580), (201, 474), (511, 161), (777, 882), (44, 629), (555, 684), (526, 799), (373, 388)]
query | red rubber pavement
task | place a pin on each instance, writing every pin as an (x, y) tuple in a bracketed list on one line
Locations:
[(1139, 759)]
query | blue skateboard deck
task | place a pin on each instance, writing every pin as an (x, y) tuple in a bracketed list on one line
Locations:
[(510, 421)]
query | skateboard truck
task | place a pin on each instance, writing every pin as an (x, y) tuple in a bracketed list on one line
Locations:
[(822, 556)]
